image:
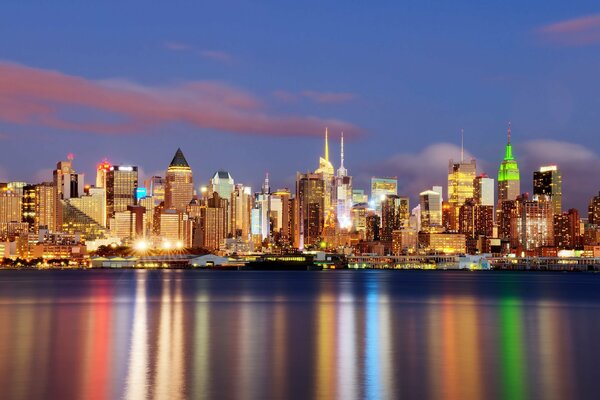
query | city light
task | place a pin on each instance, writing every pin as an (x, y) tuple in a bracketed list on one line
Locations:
[(141, 245)]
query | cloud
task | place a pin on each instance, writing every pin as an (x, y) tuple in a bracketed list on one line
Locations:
[(32, 96), (328, 97), (579, 168), (285, 96), (214, 55), (176, 46), (580, 31)]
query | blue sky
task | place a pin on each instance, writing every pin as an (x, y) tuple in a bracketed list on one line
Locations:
[(401, 79)]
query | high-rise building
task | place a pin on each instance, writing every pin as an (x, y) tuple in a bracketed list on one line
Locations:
[(483, 190), (10, 206), (343, 192), (86, 215), (395, 213), (241, 206), (567, 232), (155, 188), (176, 229), (261, 212), (28, 206), (594, 210), (329, 205), (548, 182), (45, 207), (282, 218), (532, 222), (381, 187), (101, 172), (121, 183), (212, 227), (310, 209), (359, 196), (222, 183), (179, 183), (461, 176), (509, 178), (373, 222), (431, 209)]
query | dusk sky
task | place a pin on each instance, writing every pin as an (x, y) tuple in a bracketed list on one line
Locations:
[(250, 87)]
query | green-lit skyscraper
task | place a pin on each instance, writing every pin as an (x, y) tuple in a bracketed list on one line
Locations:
[(509, 179)]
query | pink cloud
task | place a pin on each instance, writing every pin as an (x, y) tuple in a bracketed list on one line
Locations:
[(31, 96), (176, 46), (216, 55), (328, 97), (573, 32)]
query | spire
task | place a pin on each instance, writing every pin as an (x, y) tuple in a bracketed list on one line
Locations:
[(342, 151), (179, 160), (508, 155), (266, 188), (326, 146), (341, 170), (462, 145)]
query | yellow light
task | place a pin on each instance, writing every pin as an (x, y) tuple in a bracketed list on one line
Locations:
[(179, 245), (141, 245), (166, 245)]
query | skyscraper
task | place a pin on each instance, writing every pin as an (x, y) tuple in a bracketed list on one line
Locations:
[(121, 183), (222, 183), (509, 179), (430, 209), (532, 222), (240, 209), (179, 183), (310, 209), (548, 182), (101, 172), (343, 192), (381, 187), (394, 215), (460, 187), (594, 210), (483, 190)]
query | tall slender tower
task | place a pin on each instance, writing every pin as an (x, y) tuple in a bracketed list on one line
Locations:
[(509, 179), (179, 183), (343, 192)]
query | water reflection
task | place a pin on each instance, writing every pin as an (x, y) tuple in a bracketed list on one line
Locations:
[(344, 335)]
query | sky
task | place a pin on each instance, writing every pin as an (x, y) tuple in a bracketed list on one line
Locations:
[(249, 87)]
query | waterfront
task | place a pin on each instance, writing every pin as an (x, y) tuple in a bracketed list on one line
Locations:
[(272, 335)]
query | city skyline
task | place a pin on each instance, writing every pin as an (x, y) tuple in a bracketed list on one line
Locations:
[(399, 90)]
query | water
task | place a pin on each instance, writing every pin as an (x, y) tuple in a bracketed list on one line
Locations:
[(298, 335)]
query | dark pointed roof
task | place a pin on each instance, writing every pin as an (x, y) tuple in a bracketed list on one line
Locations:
[(179, 160)]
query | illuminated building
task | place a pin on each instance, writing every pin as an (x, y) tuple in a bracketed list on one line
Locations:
[(241, 206), (155, 188), (176, 230), (261, 213), (532, 223), (483, 190), (430, 203), (548, 182), (343, 192), (101, 173), (381, 187), (86, 214), (45, 206), (310, 209), (594, 210), (282, 216), (148, 204), (404, 241), (505, 222), (179, 183), (359, 196), (394, 215), (329, 206), (509, 178), (475, 221), (129, 224), (359, 218), (461, 176), (10, 206), (221, 183), (212, 226), (567, 232), (68, 184), (10, 231), (373, 222), (447, 243), (121, 183), (28, 206)]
